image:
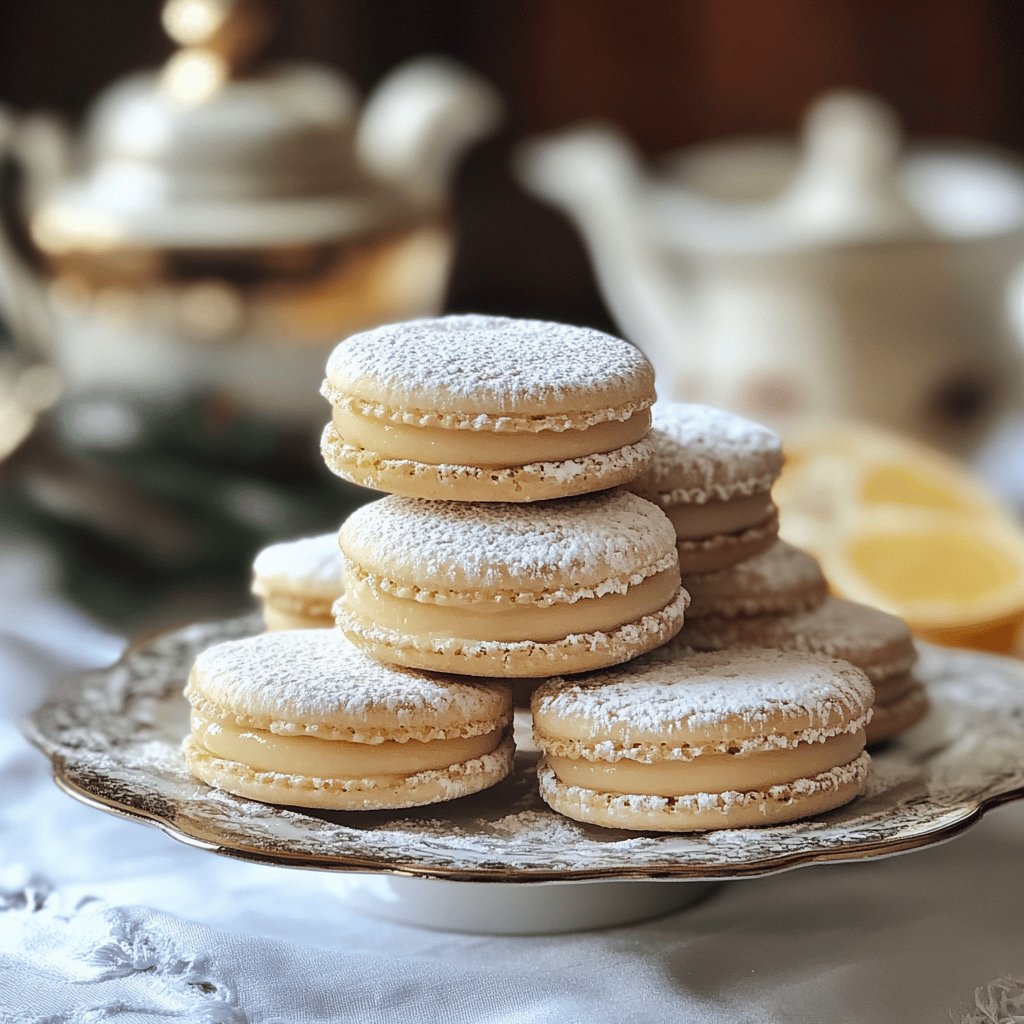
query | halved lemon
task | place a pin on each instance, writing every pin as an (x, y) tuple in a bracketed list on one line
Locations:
[(954, 579), (903, 527), (869, 466)]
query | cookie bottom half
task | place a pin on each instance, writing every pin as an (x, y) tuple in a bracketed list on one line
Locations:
[(372, 793), (579, 652), (698, 812), (535, 481), (316, 617), (890, 717), (727, 549)]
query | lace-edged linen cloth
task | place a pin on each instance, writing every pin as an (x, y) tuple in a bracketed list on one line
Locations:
[(104, 920)]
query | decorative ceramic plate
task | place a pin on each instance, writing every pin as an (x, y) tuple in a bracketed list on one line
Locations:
[(114, 739)]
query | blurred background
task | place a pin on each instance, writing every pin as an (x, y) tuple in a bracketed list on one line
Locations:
[(670, 73), (798, 210)]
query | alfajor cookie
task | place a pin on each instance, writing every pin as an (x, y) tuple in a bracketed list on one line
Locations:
[(712, 473), (510, 590), (304, 718), (877, 643), (298, 582), (683, 742), (481, 408), (780, 580)]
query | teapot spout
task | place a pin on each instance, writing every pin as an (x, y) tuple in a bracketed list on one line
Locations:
[(419, 121), (595, 177)]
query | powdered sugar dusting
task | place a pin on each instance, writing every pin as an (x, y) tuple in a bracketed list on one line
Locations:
[(443, 545), (315, 682), (676, 695), (704, 454), (310, 565), (491, 365), (876, 642), (781, 579)]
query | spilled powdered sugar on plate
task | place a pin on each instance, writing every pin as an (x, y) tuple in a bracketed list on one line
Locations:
[(114, 737)]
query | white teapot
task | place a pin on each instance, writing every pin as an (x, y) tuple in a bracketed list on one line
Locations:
[(845, 277), (222, 222)]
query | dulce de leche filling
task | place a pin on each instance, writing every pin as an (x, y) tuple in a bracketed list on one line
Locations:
[(485, 448), (695, 521), (710, 773), (504, 623), (292, 615), (334, 759)]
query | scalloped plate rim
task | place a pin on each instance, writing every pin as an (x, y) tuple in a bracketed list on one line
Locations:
[(668, 872), (63, 775)]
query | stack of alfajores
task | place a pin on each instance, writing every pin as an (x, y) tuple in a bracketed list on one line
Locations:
[(534, 530)]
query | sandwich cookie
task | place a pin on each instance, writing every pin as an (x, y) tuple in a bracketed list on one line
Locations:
[(298, 582), (780, 580), (480, 408), (301, 717), (712, 474), (877, 643), (510, 590), (687, 742)]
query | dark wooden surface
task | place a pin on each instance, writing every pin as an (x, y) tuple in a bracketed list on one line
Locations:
[(671, 72)]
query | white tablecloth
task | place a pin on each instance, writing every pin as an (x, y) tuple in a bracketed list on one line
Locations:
[(103, 919)]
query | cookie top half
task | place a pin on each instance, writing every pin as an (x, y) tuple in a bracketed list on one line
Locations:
[(308, 566), (878, 643), (599, 543), (314, 682), (489, 373), (704, 454), (670, 701), (780, 580)]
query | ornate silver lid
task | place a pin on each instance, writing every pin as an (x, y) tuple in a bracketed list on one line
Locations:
[(220, 149)]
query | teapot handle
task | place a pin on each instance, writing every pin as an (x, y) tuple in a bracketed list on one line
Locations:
[(595, 177), (420, 119), (33, 157)]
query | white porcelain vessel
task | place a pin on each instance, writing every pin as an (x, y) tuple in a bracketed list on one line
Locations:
[(506, 908), (847, 275)]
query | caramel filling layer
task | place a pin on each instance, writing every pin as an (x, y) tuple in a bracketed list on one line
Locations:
[(276, 618), (335, 759), (437, 446), (504, 624), (714, 773), (696, 521)]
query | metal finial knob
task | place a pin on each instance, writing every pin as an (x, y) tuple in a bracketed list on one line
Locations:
[(232, 30)]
